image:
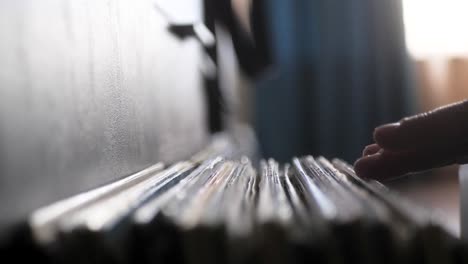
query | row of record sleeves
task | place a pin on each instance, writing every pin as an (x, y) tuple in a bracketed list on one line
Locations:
[(215, 208)]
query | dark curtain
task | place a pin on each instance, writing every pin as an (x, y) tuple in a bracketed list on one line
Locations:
[(341, 69)]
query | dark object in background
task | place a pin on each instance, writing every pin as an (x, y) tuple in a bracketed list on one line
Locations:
[(250, 39), (252, 44), (252, 47)]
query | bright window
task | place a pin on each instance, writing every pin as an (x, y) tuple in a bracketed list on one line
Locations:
[(436, 28)]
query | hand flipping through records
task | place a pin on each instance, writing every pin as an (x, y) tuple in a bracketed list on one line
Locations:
[(429, 140)]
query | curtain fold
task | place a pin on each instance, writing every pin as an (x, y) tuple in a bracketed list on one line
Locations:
[(341, 69)]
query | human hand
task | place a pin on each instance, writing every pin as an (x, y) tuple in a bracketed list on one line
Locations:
[(429, 140)]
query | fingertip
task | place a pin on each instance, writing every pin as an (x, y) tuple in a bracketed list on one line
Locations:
[(385, 165), (371, 150), (386, 135), (376, 167), (364, 166), (358, 168)]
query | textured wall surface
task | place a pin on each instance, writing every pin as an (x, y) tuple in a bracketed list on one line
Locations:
[(90, 91)]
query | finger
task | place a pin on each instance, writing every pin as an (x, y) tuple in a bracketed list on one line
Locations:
[(386, 165), (370, 150), (445, 126)]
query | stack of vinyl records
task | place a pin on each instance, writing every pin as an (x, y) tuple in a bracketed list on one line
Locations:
[(214, 209)]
